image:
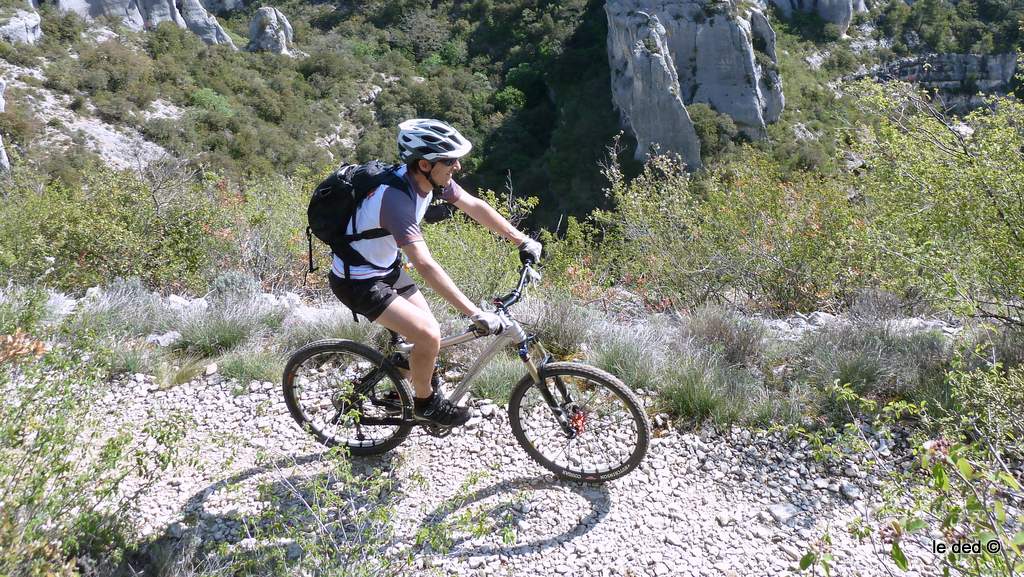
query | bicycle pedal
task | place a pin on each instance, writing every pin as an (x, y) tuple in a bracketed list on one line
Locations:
[(439, 432)]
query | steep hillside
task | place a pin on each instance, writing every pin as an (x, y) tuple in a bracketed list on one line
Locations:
[(528, 81)]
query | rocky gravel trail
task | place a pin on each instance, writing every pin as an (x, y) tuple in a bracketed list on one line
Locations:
[(741, 503)]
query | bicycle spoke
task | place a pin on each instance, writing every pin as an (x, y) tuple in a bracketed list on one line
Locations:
[(608, 439), (339, 395)]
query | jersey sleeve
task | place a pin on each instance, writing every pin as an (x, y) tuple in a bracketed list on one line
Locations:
[(453, 192), (398, 217)]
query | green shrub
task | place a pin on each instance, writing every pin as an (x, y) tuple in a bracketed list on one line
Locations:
[(697, 386), (876, 361), (736, 339), (989, 345), (481, 264), (111, 224), (125, 358), (633, 354), (216, 331), (739, 233), (496, 380), (18, 125), (21, 308), (125, 310), (234, 285), (715, 131), (176, 370), (246, 366), (563, 327), (988, 404), (945, 212)]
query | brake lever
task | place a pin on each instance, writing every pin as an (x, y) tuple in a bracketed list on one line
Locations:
[(532, 276)]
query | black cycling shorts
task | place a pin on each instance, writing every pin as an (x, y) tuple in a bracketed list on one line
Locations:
[(370, 297)]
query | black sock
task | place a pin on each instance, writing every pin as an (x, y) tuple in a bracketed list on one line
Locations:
[(422, 403)]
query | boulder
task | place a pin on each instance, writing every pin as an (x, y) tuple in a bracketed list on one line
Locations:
[(21, 28), (125, 10), (270, 31), (667, 54), (156, 11)]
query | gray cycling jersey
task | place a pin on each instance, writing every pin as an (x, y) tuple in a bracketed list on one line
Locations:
[(394, 211)]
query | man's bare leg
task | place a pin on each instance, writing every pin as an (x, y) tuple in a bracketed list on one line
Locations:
[(418, 326), (417, 299)]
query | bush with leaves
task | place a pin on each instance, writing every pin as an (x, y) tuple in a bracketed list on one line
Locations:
[(739, 234), (111, 225), (479, 262), (965, 484), (946, 201)]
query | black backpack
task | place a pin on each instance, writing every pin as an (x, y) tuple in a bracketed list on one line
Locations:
[(334, 203)]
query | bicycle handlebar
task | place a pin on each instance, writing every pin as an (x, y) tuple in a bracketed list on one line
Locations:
[(526, 274)]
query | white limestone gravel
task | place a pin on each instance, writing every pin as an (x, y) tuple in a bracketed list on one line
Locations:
[(702, 504)]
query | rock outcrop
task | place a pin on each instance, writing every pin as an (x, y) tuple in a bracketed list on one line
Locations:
[(142, 14), (270, 31), (959, 79), (667, 54), (838, 12), (22, 27), (5, 164), (203, 24), (221, 6)]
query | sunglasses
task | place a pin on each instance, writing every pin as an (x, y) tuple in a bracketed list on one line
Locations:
[(448, 161)]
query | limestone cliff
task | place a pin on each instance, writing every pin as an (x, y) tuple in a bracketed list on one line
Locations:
[(667, 54), (957, 78), (838, 12), (140, 14)]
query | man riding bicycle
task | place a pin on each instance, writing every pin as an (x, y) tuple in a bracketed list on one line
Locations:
[(431, 150)]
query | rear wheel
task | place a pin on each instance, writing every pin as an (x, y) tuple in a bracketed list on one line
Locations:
[(579, 422), (340, 393)]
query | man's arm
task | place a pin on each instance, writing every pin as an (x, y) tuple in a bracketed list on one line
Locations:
[(436, 278), (482, 212)]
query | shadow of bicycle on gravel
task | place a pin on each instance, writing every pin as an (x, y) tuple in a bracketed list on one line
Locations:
[(316, 511), (495, 519)]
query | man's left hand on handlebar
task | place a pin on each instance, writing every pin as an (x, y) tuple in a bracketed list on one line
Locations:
[(530, 251)]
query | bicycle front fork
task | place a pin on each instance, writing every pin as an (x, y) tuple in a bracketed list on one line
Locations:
[(557, 408)]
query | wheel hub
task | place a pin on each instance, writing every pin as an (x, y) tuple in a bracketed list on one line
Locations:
[(577, 420)]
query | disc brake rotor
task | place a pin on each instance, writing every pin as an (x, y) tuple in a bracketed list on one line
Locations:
[(577, 419)]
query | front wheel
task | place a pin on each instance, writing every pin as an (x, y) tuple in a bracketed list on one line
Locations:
[(579, 422)]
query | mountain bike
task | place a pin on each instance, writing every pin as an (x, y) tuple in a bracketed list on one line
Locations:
[(577, 421)]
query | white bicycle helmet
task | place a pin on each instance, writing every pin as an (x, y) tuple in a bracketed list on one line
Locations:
[(430, 140)]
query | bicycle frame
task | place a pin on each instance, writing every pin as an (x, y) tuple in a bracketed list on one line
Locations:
[(513, 334)]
